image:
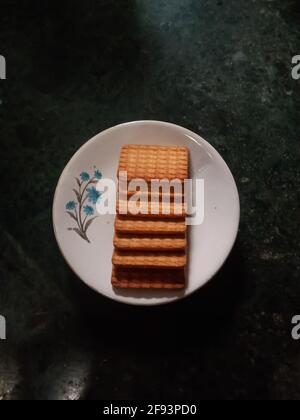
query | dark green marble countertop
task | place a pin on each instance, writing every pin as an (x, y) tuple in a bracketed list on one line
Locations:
[(222, 69)]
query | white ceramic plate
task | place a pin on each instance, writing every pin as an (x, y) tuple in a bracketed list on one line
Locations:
[(90, 257)]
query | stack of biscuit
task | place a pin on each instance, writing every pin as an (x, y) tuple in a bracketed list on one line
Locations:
[(150, 247)]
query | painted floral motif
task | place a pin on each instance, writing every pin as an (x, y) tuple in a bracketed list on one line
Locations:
[(84, 176), (78, 209), (93, 195), (88, 210), (71, 205), (98, 174)]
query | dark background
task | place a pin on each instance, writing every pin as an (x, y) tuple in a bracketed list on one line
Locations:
[(220, 68)]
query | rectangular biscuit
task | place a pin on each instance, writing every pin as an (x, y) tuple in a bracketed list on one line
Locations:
[(144, 259), (154, 162), (149, 243), (172, 197), (150, 226), (150, 209), (150, 279)]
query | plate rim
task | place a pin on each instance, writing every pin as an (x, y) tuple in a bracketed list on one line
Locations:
[(140, 122)]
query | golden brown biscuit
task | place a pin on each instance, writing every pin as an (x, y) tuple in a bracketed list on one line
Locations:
[(151, 209), (127, 242), (172, 197), (154, 162), (151, 235), (146, 259), (149, 226), (150, 279)]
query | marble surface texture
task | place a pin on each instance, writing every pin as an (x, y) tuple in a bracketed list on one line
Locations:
[(222, 69)]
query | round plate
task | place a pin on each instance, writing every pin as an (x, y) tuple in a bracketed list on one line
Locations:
[(88, 250)]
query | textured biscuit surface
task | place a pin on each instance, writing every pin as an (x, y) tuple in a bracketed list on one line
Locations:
[(150, 279), (150, 226), (150, 230), (149, 243), (154, 162), (149, 259), (151, 209), (171, 196)]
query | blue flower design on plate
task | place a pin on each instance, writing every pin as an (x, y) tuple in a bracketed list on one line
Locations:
[(93, 195), (71, 205), (98, 174), (88, 210), (84, 216), (84, 176)]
